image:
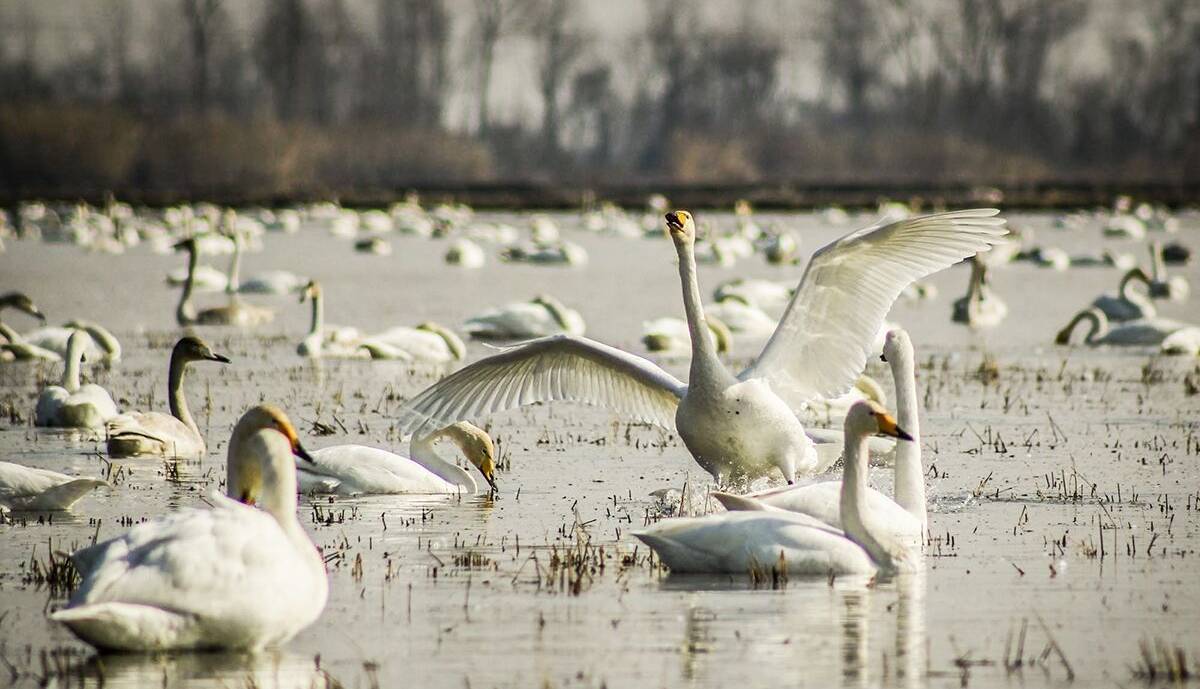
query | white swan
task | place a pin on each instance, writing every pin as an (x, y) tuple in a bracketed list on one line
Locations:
[(734, 427), (1126, 304), (564, 253), (543, 315), (769, 295), (27, 488), (235, 313), (166, 435), (326, 341), (273, 282), (742, 317), (358, 469), (205, 278), (71, 405), (229, 577), (905, 516), (669, 336), (15, 346), (739, 542), (465, 253), (428, 342), (1171, 336), (981, 307)]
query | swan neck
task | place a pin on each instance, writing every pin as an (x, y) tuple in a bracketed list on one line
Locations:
[(422, 452), (853, 509), (318, 314), (704, 353), (175, 396), (235, 264), (184, 313), (74, 361), (910, 474), (556, 311), (1099, 324), (10, 334), (1126, 289)]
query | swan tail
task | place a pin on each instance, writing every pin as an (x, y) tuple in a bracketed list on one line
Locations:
[(62, 496), (739, 503), (130, 627)]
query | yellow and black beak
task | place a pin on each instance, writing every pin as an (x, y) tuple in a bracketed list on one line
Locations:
[(299, 451), (675, 221), (887, 426), (491, 479), (218, 357)]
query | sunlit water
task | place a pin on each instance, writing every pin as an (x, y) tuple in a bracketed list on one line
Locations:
[(1034, 463)]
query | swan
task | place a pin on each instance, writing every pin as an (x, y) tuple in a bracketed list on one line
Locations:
[(735, 427), (905, 516), (358, 469), (1126, 304), (981, 308), (72, 405), (427, 342), (564, 253), (102, 345), (739, 542), (1172, 336), (1163, 286), (742, 317), (228, 577), (167, 435), (543, 315), (16, 347), (206, 279), (465, 253), (273, 282), (669, 336), (27, 488), (326, 341), (770, 296), (235, 313)]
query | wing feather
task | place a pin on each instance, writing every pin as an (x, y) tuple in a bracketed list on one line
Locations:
[(559, 367), (822, 342)]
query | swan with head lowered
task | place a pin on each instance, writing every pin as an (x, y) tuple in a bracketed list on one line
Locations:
[(166, 435), (741, 542), (359, 470), (226, 577), (1172, 337), (905, 515), (743, 426)]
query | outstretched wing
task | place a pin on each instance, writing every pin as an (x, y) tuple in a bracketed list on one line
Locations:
[(559, 367), (822, 342)]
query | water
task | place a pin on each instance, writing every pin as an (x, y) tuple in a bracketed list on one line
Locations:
[(1035, 461)]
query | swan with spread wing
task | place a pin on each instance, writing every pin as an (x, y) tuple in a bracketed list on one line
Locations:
[(737, 427)]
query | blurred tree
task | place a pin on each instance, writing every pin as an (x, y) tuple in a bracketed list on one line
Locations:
[(560, 45), (204, 19)]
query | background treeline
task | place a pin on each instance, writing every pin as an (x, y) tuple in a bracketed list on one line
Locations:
[(302, 97)]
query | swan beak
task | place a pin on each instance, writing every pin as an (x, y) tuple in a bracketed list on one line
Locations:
[(299, 451), (491, 479), (38, 315), (887, 426), (883, 358), (674, 222), (220, 358)]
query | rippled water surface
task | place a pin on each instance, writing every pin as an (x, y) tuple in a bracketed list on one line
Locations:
[(1035, 459)]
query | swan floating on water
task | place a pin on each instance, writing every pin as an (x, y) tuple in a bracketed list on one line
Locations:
[(744, 541), (27, 488), (326, 341), (16, 347), (101, 346), (465, 253), (906, 515), (71, 405), (358, 469), (235, 313), (427, 342), (1126, 304), (735, 427), (229, 577), (1172, 337), (543, 315), (669, 336), (167, 435), (981, 307)]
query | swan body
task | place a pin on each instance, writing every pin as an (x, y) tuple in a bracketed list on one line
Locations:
[(770, 296), (358, 469), (71, 405), (905, 516), (742, 541), (735, 427), (1142, 332), (27, 488), (541, 316), (742, 318), (228, 577), (1126, 304), (981, 308), (563, 253), (427, 342), (174, 435), (670, 337), (466, 254), (273, 282)]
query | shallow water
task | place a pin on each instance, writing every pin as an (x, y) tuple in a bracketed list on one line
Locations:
[(1034, 463)]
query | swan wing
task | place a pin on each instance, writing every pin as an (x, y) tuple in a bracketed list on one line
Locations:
[(823, 340), (559, 367)]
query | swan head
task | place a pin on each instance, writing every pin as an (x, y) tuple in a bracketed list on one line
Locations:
[(867, 417), (310, 291), (896, 345), (192, 348), (260, 465), (21, 302), (188, 244), (681, 227), (476, 446)]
